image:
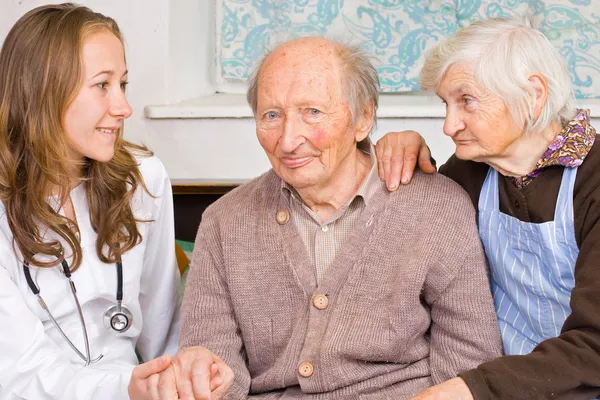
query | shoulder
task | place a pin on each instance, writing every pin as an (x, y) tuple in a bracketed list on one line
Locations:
[(435, 210), (146, 204), (6, 241), (435, 215), (6, 234), (588, 179), (5, 230), (586, 193), (435, 195), (255, 196), (153, 172), (469, 175)]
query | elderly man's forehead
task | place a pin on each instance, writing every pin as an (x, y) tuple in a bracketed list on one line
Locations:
[(305, 52)]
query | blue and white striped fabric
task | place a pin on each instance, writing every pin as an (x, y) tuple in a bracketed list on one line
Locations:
[(531, 266)]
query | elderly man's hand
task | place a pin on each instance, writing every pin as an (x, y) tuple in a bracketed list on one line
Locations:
[(454, 389), (397, 155), (200, 374)]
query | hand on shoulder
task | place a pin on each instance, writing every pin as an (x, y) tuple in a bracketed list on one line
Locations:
[(397, 157)]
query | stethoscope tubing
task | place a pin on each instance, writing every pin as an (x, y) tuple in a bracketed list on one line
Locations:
[(87, 358)]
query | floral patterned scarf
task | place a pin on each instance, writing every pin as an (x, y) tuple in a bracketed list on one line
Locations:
[(569, 148)]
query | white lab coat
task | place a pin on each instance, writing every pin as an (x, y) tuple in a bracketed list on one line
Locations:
[(35, 361)]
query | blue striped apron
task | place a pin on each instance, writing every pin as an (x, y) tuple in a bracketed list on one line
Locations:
[(531, 266)]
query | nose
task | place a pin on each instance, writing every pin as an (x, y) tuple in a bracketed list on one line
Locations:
[(292, 136), (119, 106), (454, 122)]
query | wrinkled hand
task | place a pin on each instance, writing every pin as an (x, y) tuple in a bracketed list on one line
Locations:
[(146, 380), (454, 389), (397, 155), (200, 374)]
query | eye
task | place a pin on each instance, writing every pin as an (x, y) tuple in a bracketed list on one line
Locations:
[(271, 115), (102, 85), (314, 111), (468, 100), (124, 85)]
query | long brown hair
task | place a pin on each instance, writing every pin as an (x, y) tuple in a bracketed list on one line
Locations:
[(40, 74)]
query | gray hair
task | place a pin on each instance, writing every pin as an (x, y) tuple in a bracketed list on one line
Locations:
[(361, 81), (503, 53)]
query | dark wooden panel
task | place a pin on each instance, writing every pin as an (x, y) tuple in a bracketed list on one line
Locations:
[(190, 200), (203, 186)]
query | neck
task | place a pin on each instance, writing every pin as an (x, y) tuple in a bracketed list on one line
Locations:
[(521, 157), (330, 197), (74, 174), (56, 190)]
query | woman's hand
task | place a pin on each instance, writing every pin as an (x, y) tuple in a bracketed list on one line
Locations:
[(453, 389), (397, 155), (148, 377)]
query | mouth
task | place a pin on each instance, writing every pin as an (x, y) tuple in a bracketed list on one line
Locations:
[(109, 132), (296, 162), (463, 141)]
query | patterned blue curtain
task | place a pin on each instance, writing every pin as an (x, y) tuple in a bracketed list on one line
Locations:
[(399, 32)]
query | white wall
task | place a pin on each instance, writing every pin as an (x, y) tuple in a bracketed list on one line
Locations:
[(145, 26), (228, 149), (170, 55)]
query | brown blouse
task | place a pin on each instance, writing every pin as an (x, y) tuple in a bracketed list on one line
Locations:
[(566, 367)]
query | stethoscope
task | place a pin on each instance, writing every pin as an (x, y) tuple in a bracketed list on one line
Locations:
[(117, 317)]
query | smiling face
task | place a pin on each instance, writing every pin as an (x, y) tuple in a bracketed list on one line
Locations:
[(303, 121), (478, 122), (94, 117)]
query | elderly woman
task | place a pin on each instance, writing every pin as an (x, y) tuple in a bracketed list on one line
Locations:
[(527, 159)]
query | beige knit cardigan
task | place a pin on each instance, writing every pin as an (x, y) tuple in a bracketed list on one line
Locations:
[(408, 297)]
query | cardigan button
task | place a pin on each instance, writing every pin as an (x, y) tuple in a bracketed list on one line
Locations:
[(320, 301), (306, 369), (283, 216)]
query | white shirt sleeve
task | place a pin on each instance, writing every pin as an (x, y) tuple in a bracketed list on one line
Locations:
[(159, 290), (32, 366)]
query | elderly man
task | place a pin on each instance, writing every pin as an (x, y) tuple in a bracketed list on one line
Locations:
[(314, 281)]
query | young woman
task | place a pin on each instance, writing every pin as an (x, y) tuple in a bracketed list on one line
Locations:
[(87, 264)]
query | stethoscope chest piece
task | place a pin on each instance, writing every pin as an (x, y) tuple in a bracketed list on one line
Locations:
[(118, 318)]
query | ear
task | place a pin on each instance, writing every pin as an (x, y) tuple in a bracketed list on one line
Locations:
[(540, 85), (364, 123)]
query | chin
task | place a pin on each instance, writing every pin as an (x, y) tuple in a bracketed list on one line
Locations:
[(465, 153), (103, 158), (298, 183), (298, 180)]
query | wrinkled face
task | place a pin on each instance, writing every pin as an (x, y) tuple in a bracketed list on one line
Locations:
[(95, 115), (303, 121), (478, 122)]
